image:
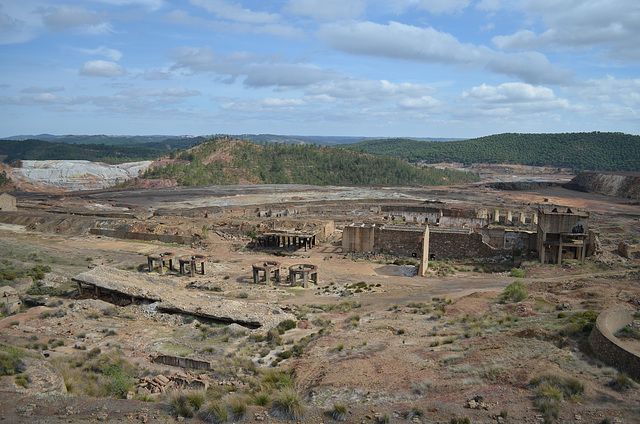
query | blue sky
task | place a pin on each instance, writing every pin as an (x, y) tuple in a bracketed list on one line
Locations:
[(420, 68)]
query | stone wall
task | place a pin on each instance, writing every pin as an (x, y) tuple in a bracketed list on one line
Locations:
[(607, 347)]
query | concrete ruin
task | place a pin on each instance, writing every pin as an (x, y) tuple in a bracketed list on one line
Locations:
[(270, 271), (160, 259), (562, 234), (302, 274), (7, 203), (9, 299), (192, 261), (170, 296), (287, 239)]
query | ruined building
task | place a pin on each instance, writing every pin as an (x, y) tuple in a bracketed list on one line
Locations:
[(562, 234)]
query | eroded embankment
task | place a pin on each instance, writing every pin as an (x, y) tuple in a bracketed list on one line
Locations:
[(625, 185)]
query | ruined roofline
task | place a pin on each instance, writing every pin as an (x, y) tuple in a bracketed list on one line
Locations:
[(561, 210)]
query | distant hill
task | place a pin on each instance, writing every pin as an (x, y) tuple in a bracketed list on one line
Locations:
[(226, 161), (580, 151), (174, 142), (43, 150)]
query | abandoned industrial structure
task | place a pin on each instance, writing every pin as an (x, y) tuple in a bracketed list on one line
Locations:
[(560, 234)]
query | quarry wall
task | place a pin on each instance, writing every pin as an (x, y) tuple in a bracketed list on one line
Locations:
[(607, 347)]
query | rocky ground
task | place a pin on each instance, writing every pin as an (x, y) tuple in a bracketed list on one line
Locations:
[(387, 346)]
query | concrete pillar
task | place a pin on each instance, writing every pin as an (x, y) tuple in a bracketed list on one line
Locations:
[(305, 280), (522, 218), (560, 251), (496, 215), (534, 218), (256, 276), (509, 217), (161, 266), (150, 263), (79, 287)]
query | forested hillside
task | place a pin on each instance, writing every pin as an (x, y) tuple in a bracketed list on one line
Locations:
[(44, 150), (580, 151), (225, 161)]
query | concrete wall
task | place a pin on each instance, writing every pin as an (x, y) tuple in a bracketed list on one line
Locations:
[(457, 245), (399, 241), (178, 361), (7, 203), (358, 238), (607, 347), (165, 238)]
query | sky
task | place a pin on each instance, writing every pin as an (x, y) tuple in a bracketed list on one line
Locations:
[(375, 68)]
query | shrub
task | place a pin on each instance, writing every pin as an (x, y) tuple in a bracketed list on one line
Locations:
[(119, 381), (288, 404), (550, 392), (337, 413), (261, 398), (460, 420), (514, 292), (286, 325), (10, 362), (621, 383), (237, 407), (22, 380), (180, 403), (421, 387), (215, 412), (517, 273)]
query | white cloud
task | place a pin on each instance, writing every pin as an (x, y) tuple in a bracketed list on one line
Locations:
[(369, 91), (489, 5), (259, 71), (512, 99), (285, 75), (283, 30), (13, 29), (443, 6), (149, 4), (326, 10), (63, 18), (269, 104), (608, 90), (101, 68), (41, 89), (167, 92), (155, 75), (411, 43), (424, 102), (43, 99), (112, 54), (510, 92), (579, 25), (236, 12)]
